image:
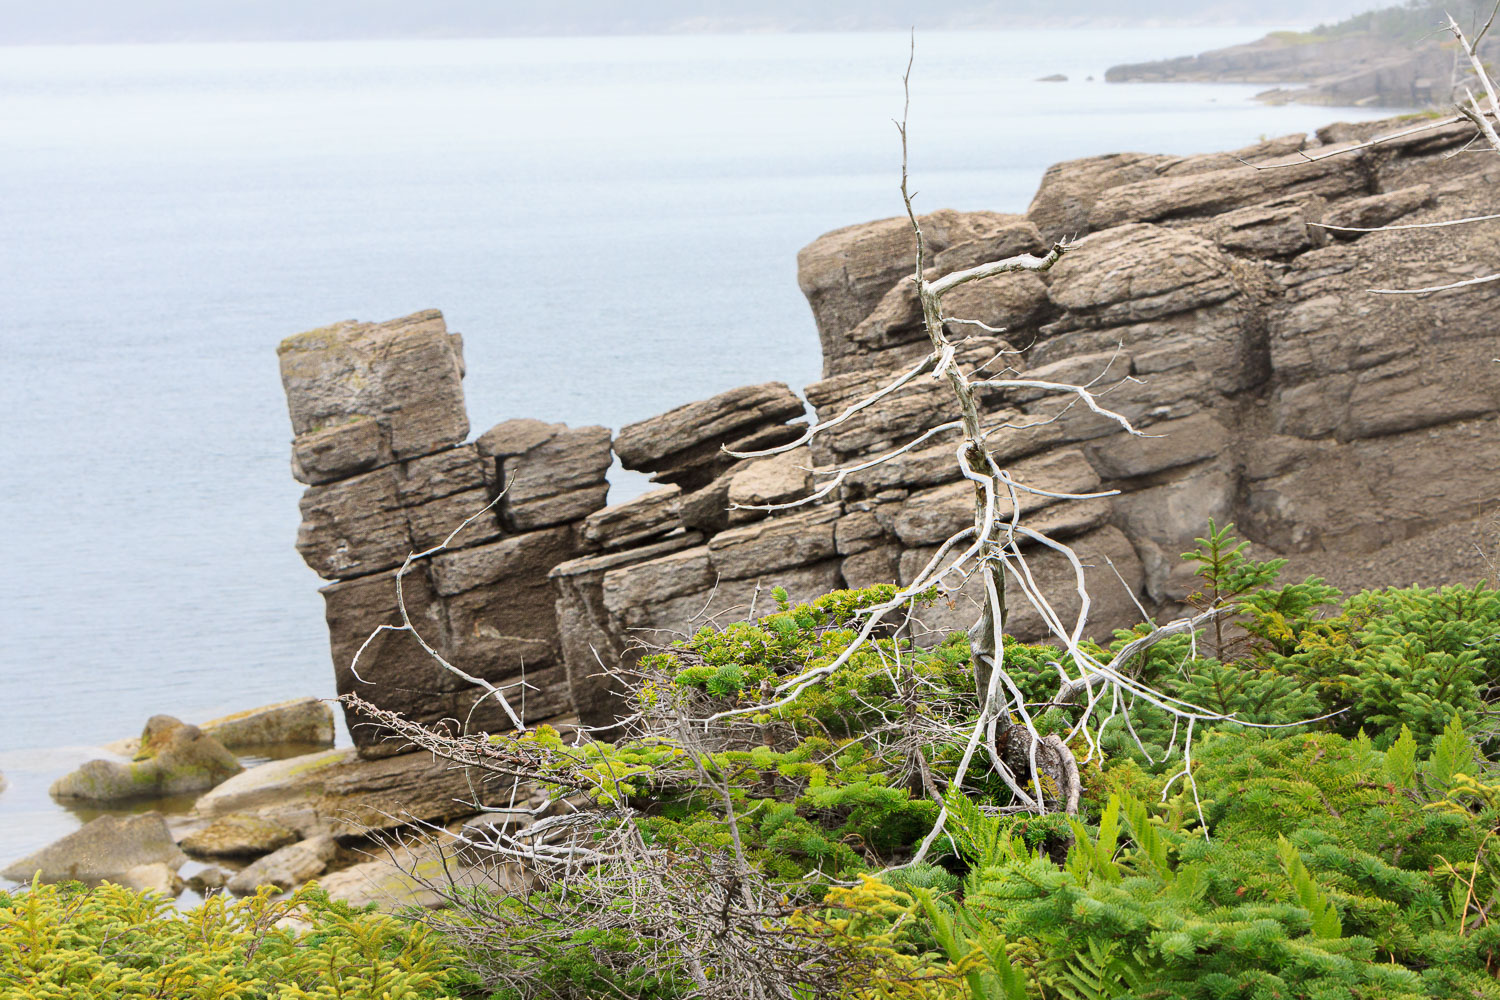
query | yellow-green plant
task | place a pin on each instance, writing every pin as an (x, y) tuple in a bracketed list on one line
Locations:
[(70, 942)]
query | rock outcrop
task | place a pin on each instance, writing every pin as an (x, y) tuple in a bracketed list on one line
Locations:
[(1389, 68), (1352, 433), (106, 848)]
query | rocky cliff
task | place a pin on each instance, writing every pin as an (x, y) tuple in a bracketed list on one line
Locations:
[(1351, 432), (1396, 57)]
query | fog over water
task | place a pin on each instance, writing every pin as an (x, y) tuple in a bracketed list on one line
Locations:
[(611, 223)]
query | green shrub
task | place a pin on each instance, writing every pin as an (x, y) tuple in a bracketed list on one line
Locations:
[(68, 941)]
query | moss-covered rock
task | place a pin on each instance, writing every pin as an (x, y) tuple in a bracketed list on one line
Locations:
[(174, 759), (304, 721), (238, 835)]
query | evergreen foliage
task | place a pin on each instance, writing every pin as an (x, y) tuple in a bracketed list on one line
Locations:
[(68, 942)]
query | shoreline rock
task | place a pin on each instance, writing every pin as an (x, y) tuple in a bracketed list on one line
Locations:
[(298, 721), (106, 848), (174, 759)]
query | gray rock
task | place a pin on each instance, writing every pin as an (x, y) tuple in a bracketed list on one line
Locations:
[(639, 586), (349, 794), (762, 548), (174, 759), (1377, 209), (1138, 273), (698, 429), (238, 835), (552, 474), (1069, 190), (706, 510), (846, 272), (591, 640), (646, 517), (306, 721), (104, 848), (1277, 228), (156, 877), (207, 879), (932, 516), (372, 522), (777, 479), (406, 375), (857, 531), (413, 877), (1171, 444), (286, 868), (1111, 606), (339, 450), (872, 566), (1211, 192)]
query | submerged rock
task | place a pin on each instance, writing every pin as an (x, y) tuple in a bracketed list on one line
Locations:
[(105, 848), (174, 759)]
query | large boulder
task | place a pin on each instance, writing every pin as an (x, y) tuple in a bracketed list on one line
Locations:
[(175, 759), (301, 721), (105, 848)]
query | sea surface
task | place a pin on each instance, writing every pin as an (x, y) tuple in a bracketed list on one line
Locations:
[(611, 223)]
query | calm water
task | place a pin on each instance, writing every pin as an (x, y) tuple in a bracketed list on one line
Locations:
[(612, 223)]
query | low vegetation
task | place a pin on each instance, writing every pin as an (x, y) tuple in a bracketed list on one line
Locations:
[(1348, 852), (71, 942)]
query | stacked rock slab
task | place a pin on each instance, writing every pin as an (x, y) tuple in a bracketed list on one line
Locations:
[(378, 413), (693, 552)]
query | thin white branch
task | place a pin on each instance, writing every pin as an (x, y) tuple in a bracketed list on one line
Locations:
[(818, 427), (1412, 225), (1340, 150), (1435, 288)]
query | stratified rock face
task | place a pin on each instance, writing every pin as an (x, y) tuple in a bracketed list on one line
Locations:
[(378, 411), (1211, 303), (1329, 423)]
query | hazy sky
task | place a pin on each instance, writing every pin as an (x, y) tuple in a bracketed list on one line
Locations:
[(28, 21)]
